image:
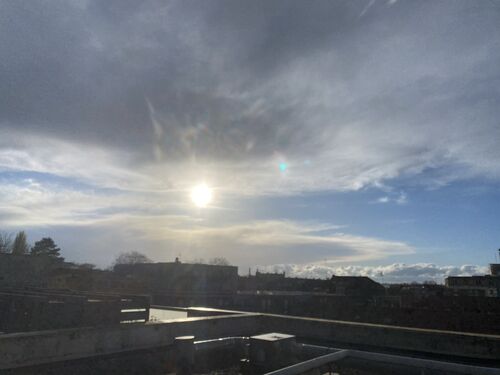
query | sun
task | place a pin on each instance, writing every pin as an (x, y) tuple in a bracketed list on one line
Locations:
[(201, 195)]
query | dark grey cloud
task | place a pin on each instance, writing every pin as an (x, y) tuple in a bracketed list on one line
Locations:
[(374, 88)]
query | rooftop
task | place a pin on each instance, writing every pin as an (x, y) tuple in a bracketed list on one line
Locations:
[(224, 340)]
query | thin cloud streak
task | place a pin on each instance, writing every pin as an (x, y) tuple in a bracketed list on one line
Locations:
[(270, 241)]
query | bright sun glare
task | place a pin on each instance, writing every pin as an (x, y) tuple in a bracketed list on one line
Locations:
[(201, 195)]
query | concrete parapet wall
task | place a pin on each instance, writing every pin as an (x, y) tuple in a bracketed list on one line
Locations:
[(380, 337), (36, 309), (31, 349)]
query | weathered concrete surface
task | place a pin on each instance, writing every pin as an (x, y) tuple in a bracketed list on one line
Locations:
[(380, 337), (70, 345), (28, 349), (377, 336), (34, 309)]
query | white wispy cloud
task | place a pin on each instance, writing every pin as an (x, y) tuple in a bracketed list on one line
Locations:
[(398, 198), (269, 241), (402, 198), (366, 8), (89, 163), (165, 224)]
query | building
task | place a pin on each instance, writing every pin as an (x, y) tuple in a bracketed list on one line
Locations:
[(480, 286), (27, 270), (355, 286), (177, 277), (495, 269), (279, 282)]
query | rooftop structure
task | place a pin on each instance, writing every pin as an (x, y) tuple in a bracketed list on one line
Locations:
[(247, 343)]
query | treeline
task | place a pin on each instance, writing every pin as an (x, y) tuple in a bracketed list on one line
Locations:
[(18, 245)]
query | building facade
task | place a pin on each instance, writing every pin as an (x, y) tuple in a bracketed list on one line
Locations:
[(177, 277), (475, 286)]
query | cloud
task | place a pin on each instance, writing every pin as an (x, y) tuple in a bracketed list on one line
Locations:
[(164, 226), (367, 7), (28, 203), (269, 241), (398, 198), (229, 91), (393, 273), (402, 198), (115, 109), (88, 163)]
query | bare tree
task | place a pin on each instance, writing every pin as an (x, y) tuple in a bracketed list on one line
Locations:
[(20, 245), (5, 242), (132, 257)]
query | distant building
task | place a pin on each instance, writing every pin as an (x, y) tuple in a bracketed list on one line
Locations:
[(86, 279), (279, 282), (495, 269), (177, 277), (350, 286), (27, 270), (355, 286), (479, 286)]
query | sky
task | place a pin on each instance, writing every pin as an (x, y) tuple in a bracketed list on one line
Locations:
[(339, 137)]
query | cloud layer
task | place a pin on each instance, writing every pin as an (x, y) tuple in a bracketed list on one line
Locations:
[(111, 111), (392, 273), (347, 94), (272, 241)]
